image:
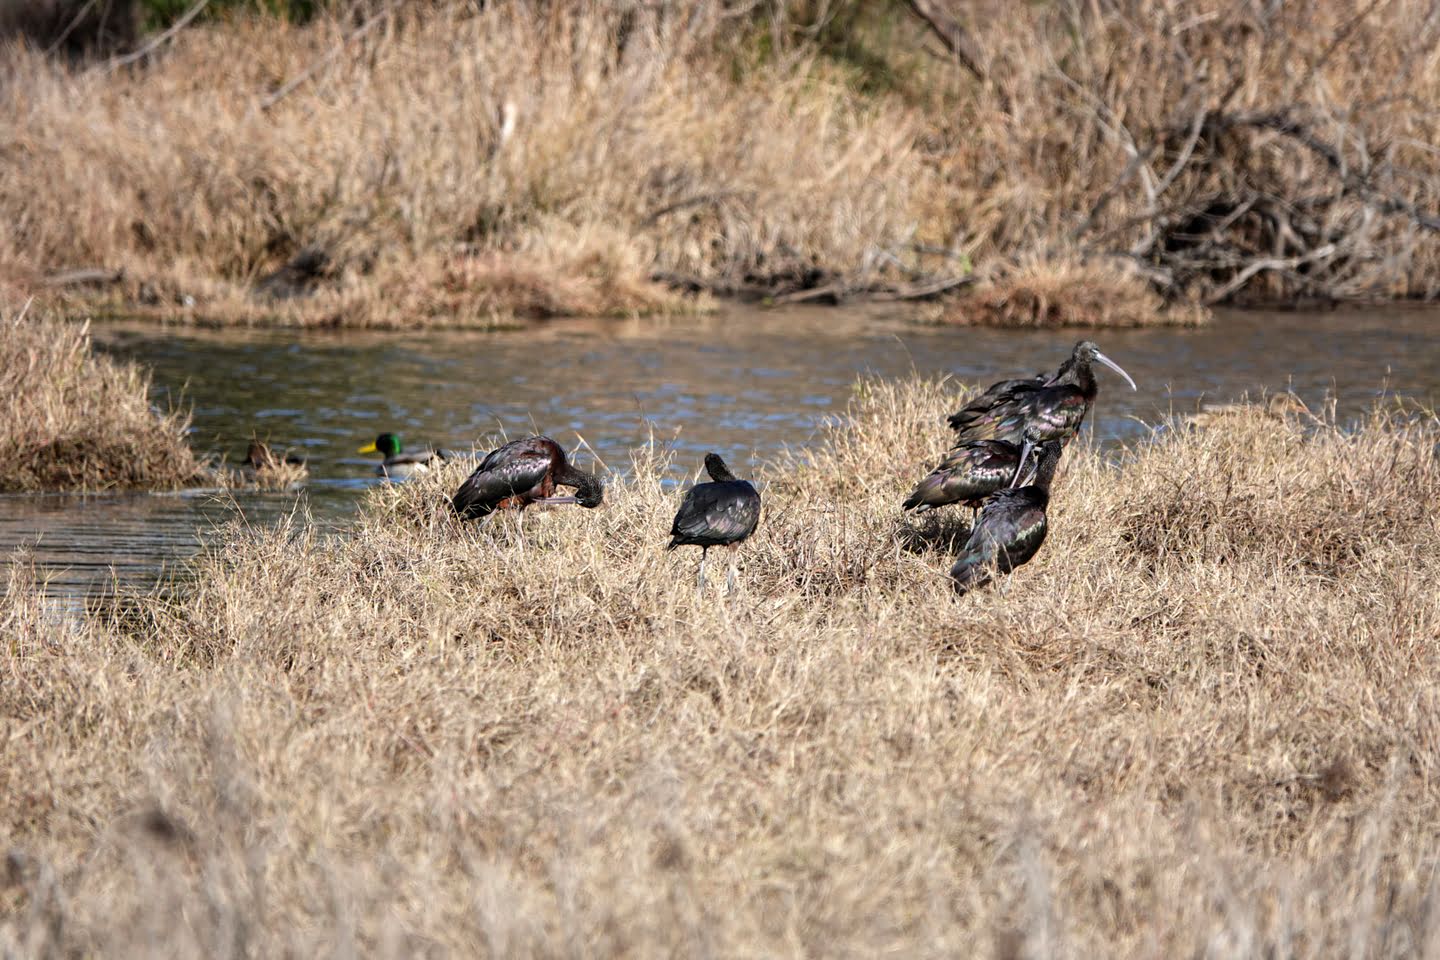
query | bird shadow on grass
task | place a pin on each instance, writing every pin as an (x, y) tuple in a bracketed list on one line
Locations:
[(943, 532)]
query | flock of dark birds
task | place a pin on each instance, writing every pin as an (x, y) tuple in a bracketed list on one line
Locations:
[(1012, 426), (995, 435)]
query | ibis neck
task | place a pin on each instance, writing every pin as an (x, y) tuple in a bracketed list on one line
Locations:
[(718, 471), (587, 487), (1079, 374), (1045, 470)]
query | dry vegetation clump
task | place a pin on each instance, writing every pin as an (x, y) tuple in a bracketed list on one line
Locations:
[(77, 420), (1067, 293), (1181, 730), (435, 163)]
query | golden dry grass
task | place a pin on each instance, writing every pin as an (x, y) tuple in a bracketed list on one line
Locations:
[(1202, 722), (78, 420), (1066, 293), (449, 166)]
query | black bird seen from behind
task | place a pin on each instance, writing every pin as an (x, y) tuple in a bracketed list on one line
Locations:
[(523, 472), (722, 513), (1010, 529)]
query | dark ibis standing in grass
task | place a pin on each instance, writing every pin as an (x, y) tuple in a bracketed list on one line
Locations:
[(721, 513), (523, 472), (1056, 411), (1010, 529), (1006, 410), (970, 472), (399, 465)]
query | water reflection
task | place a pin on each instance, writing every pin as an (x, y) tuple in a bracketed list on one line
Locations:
[(743, 382)]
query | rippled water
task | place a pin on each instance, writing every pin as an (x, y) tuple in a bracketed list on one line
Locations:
[(743, 382)]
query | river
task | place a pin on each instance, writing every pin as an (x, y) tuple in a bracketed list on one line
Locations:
[(745, 382)]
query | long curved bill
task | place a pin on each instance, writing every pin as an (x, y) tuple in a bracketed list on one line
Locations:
[(368, 448), (565, 499), (1116, 367)]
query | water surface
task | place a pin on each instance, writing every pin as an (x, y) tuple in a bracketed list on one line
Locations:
[(744, 382)]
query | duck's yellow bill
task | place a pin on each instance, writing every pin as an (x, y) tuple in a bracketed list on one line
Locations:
[(368, 448)]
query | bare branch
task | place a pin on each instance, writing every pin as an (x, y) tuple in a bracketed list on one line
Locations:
[(117, 62), (955, 37)]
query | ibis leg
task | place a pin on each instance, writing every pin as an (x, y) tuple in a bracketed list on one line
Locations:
[(700, 588)]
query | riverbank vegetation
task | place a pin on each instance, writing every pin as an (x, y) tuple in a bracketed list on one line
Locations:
[(1203, 720), (78, 420), (459, 163)]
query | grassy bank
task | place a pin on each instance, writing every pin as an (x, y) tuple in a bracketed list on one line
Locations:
[(443, 164), (76, 420), (1203, 721)]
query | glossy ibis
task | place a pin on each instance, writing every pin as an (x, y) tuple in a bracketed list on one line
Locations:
[(971, 472), (397, 464), (721, 513), (523, 472), (1065, 398), (1056, 411), (1010, 529)]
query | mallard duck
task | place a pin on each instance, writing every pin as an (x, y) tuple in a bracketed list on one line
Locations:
[(397, 464), (263, 467), (523, 472)]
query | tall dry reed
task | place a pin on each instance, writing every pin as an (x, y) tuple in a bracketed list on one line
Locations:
[(1202, 721)]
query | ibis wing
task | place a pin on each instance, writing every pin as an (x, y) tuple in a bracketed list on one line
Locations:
[(717, 513), (1004, 421), (978, 418), (1023, 536), (974, 469), (494, 481), (1057, 412)]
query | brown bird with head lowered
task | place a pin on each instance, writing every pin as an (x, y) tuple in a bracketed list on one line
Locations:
[(523, 472)]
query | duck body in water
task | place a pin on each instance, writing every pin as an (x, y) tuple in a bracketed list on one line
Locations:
[(266, 469), (1011, 528), (399, 465), (721, 513), (259, 456), (523, 472)]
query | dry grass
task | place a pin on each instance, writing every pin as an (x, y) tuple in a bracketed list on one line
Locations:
[(1202, 722), (1067, 293), (76, 420), (566, 154), (524, 186)]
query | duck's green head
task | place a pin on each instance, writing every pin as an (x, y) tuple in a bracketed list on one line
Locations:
[(388, 444)]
